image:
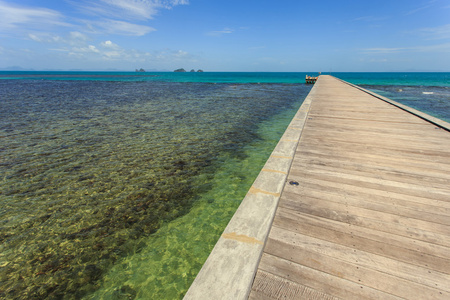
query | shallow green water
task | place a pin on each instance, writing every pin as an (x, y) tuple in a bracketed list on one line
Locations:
[(167, 265), (91, 170)]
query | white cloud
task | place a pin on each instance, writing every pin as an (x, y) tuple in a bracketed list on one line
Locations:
[(134, 8), (74, 38), (87, 41), (370, 19), (119, 27), (427, 48), (109, 45), (112, 54), (127, 9), (35, 38), (43, 37), (93, 49), (411, 12), (436, 33), (111, 50), (78, 36), (383, 50), (13, 16), (220, 32), (88, 49), (443, 48), (107, 51), (172, 55), (181, 54), (59, 49), (110, 17)]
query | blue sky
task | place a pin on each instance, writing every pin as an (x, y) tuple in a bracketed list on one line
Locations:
[(226, 35)]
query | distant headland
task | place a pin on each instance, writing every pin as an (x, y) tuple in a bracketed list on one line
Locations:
[(183, 70)]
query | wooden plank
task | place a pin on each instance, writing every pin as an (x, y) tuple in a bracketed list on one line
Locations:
[(409, 243), (269, 286), (349, 239), (373, 183), (321, 281), (412, 140), (337, 210), (287, 244), (388, 151), (427, 146), (395, 200), (321, 210), (357, 274), (318, 121), (406, 209), (376, 161), (404, 175)]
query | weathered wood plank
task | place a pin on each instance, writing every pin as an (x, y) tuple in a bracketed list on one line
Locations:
[(321, 281), (357, 274), (375, 161), (373, 183), (401, 175), (426, 146), (395, 200), (349, 239), (382, 152), (269, 286), (286, 240), (322, 210), (406, 209), (411, 244), (318, 121)]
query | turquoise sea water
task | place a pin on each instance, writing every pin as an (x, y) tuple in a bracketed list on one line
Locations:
[(117, 185), (371, 78)]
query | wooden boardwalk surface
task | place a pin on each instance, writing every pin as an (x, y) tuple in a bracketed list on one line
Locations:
[(370, 218)]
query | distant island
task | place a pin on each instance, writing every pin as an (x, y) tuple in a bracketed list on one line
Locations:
[(140, 70), (183, 70)]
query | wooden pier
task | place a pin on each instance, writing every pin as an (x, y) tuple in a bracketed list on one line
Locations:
[(363, 211), (310, 79), (370, 217)]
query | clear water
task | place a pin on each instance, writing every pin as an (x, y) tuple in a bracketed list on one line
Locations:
[(427, 92), (91, 170), (118, 185), (166, 267), (433, 100), (359, 78), (420, 79)]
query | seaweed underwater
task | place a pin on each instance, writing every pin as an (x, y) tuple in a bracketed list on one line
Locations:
[(88, 168)]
